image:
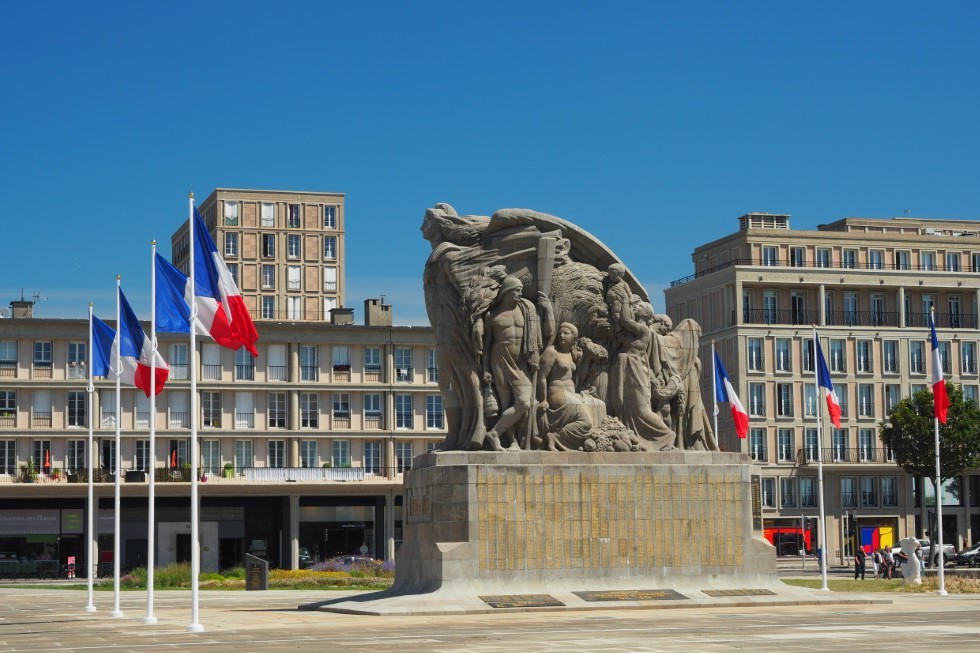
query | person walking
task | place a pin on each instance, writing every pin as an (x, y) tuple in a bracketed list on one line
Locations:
[(859, 557), (876, 560), (889, 562)]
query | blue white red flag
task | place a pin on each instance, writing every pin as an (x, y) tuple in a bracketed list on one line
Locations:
[(102, 337), (823, 379), (132, 352), (940, 398), (724, 392)]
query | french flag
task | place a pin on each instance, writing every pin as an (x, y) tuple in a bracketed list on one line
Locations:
[(132, 352), (102, 337), (940, 398), (724, 392), (823, 380)]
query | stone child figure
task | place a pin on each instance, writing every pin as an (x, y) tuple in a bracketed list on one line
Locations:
[(514, 339)]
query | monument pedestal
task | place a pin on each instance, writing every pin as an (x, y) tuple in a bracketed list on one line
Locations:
[(568, 530)]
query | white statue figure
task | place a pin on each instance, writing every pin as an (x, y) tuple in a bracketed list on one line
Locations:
[(910, 570)]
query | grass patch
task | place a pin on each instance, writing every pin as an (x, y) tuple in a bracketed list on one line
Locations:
[(930, 584)]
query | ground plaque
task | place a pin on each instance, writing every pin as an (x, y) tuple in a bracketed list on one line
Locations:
[(631, 595), (521, 601), (256, 573)]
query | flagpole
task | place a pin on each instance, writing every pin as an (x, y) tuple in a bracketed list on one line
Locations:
[(116, 612), (825, 551), (941, 571), (150, 619), (714, 385), (90, 548), (195, 625)]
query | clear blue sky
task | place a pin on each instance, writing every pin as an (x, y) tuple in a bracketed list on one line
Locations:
[(652, 125)]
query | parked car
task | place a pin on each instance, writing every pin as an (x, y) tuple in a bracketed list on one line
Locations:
[(305, 559), (967, 557), (949, 551)]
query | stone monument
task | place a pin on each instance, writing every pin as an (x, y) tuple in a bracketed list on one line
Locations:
[(579, 467)]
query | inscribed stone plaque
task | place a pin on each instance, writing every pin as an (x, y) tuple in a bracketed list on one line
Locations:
[(740, 592), (631, 595), (521, 601)]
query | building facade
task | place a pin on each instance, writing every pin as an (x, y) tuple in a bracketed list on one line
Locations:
[(867, 286), (285, 249), (304, 446)]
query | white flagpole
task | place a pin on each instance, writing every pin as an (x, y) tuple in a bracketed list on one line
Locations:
[(714, 385), (941, 571), (195, 625), (825, 551), (116, 612), (150, 619), (90, 548)]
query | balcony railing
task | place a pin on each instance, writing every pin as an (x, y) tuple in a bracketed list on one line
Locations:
[(781, 316), (8, 418), (244, 420), (374, 422), (862, 318), (8, 369), (212, 474), (41, 419), (179, 420), (845, 455), (309, 373), (244, 372), (278, 373), (178, 371), (211, 372), (143, 419)]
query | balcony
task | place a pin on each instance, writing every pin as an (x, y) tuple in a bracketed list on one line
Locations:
[(41, 419), (863, 318), (244, 373), (244, 420), (8, 418), (278, 373), (8, 369), (309, 373), (211, 372), (211, 475), (178, 371), (840, 455), (179, 420), (374, 422)]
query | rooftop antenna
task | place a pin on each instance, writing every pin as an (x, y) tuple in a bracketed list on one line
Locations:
[(382, 299)]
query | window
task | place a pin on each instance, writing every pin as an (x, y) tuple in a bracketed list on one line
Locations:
[(293, 273), (784, 359), (869, 495), (268, 214), (770, 256), (341, 358), (142, 420), (403, 456), (76, 454), (372, 359), (231, 244), (747, 306), (903, 260), (839, 445), (433, 412), (107, 408), (276, 363), (211, 408), (372, 405), (244, 365), (268, 245), (927, 260), (277, 410), (403, 364), (893, 394), (307, 453), (243, 454), (797, 257), (403, 412), (786, 447), (768, 488), (756, 362), (294, 308), (952, 261), (889, 351), (757, 399), (329, 217), (850, 308), (865, 356), (8, 358), (811, 443), (329, 303), (800, 315), (372, 457), (866, 403), (268, 276), (41, 408), (849, 258), (889, 491), (770, 306), (293, 247), (808, 497), (838, 359), (848, 493), (329, 279), (178, 361), (840, 389), (944, 357), (42, 354), (211, 456), (757, 444), (77, 360), (787, 492), (876, 259), (211, 361), (8, 407), (918, 387), (340, 453), (268, 308), (431, 369), (329, 248), (292, 216), (76, 409), (244, 410), (866, 445), (277, 453), (309, 410), (108, 458), (968, 358), (341, 405), (807, 352), (784, 399), (955, 316), (178, 411), (231, 213), (809, 400), (916, 357), (823, 258), (309, 367)]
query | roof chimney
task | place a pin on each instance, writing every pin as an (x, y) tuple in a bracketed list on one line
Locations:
[(376, 313)]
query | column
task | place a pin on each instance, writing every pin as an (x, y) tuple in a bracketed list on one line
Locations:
[(293, 362), (390, 526), (822, 304), (294, 531), (293, 410), (901, 307), (390, 457), (293, 452)]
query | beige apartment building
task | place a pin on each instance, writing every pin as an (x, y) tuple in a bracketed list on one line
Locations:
[(867, 287), (285, 249)]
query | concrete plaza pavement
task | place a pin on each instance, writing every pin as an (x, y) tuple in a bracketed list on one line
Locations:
[(43, 621)]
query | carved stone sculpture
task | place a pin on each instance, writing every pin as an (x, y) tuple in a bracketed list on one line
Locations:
[(616, 377)]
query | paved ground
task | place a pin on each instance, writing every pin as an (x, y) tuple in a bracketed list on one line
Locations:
[(41, 621)]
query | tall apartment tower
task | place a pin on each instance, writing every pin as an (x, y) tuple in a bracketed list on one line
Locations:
[(867, 286), (285, 249)]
